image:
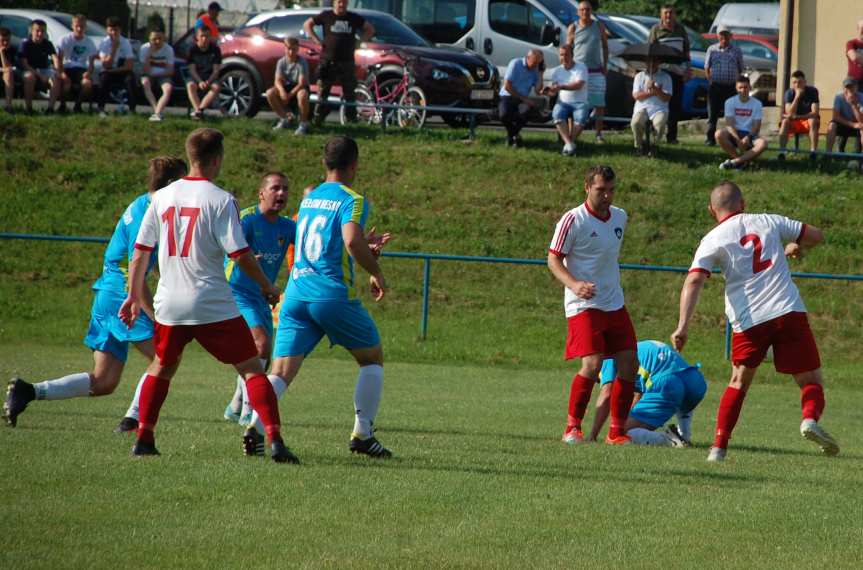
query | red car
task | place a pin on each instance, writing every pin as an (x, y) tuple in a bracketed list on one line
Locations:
[(765, 47)]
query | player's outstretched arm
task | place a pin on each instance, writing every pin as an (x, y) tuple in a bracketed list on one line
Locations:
[(583, 289), (812, 236), (360, 251), (688, 300), (139, 297), (250, 266)]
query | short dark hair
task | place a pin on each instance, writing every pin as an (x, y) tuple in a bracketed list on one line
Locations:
[(668, 7), (798, 74), (113, 22), (38, 22), (203, 146), (742, 79), (340, 152), (214, 6), (277, 173), (163, 170), (603, 171), (79, 18), (5, 32)]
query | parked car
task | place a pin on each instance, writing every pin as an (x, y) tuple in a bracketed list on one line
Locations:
[(759, 18), (764, 47)]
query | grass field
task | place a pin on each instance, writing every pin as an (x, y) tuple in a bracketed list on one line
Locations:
[(474, 413)]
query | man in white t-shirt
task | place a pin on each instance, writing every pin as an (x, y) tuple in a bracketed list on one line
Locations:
[(652, 90), (195, 224), (570, 113), (77, 53), (584, 256), (740, 138), (157, 69), (763, 305), (117, 57)]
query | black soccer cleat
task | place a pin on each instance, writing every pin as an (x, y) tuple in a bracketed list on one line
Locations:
[(677, 439), (126, 425), (281, 454), (370, 446), (18, 395), (143, 449), (253, 443)]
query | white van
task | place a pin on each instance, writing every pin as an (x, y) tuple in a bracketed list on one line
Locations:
[(757, 19)]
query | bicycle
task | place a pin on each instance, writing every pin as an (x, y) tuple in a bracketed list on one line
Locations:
[(401, 91)]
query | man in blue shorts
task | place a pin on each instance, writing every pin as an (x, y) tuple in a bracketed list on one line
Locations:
[(321, 297), (107, 337), (269, 235), (665, 385)]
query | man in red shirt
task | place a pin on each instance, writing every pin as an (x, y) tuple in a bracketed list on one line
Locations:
[(854, 54), (210, 20)]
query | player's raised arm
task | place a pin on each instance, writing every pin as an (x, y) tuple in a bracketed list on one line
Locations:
[(688, 300), (358, 247)]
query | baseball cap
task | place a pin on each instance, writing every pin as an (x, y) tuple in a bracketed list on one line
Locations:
[(848, 82), (723, 28)]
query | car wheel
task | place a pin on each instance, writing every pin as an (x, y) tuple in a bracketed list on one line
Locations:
[(239, 95), (413, 118)]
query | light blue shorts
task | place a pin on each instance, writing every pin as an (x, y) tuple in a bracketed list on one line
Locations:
[(669, 393), (107, 333), (302, 324), (563, 111), (255, 310)]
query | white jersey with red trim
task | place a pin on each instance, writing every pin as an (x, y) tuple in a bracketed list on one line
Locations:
[(196, 224), (751, 252), (590, 247)]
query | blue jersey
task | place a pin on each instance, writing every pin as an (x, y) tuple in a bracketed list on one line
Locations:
[(115, 265), (269, 241), (323, 270), (654, 358)]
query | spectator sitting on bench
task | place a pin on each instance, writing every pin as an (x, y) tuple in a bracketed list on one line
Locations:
[(205, 59), (117, 57), (157, 61), (847, 119), (8, 53), (41, 65), (740, 138), (77, 53), (291, 87), (652, 90), (800, 114)]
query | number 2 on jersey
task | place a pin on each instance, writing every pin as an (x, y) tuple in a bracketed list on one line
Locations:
[(758, 264), (168, 217), (309, 239)]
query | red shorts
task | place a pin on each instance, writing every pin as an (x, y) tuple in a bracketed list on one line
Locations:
[(794, 348), (599, 332), (798, 127), (230, 341)]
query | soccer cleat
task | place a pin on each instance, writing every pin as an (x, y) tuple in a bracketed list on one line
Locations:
[(142, 449), (253, 443), (280, 453), (127, 424), (18, 395), (231, 415), (716, 455), (810, 430), (617, 440), (369, 446), (573, 435), (677, 439), (303, 129)]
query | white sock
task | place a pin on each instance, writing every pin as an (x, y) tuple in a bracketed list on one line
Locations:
[(237, 399), (132, 412), (684, 424), (641, 436), (367, 398), (72, 386), (279, 388)]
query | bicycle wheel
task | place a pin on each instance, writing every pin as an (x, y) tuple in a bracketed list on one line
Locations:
[(366, 115), (413, 118)]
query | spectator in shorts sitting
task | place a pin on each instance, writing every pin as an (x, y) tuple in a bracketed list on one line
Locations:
[(117, 57), (8, 53), (652, 90), (522, 75), (291, 87), (157, 61), (847, 115), (740, 138), (41, 66), (205, 59), (570, 113), (800, 114), (77, 53)]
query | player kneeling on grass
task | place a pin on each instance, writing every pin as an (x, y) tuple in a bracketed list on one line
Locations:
[(763, 305), (666, 385), (107, 337), (320, 298), (197, 224)]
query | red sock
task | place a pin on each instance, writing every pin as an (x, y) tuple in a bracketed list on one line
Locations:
[(621, 400), (579, 398), (812, 401), (153, 394), (726, 419), (264, 401)]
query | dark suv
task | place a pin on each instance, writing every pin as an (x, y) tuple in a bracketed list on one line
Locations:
[(449, 76)]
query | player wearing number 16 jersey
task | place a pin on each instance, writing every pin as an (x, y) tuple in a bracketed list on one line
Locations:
[(763, 305)]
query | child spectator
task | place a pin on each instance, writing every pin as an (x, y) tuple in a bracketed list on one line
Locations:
[(157, 61)]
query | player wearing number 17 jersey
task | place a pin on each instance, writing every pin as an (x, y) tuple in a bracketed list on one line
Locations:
[(763, 305)]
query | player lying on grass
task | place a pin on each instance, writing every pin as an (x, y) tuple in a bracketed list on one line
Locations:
[(269, 235), (107, 336), (666, 385), (763, 305), (321, 297)]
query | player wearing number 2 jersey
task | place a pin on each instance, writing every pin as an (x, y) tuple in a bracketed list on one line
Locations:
[(763, 305)]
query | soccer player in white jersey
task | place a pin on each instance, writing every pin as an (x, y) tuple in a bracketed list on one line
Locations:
[(763, 305), (196, 223), (583, 255)]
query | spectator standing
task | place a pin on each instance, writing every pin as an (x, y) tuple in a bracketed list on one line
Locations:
[(723, 64), (157, 61), (740, 138), (854, 55), (77, 53), (291, 87), (210, 20), (205, 59), (670, 33), (589, 42), (41, 65), (522, 75), (570, 113), (652, 91), (337, 58), (800, 115), (117, 57), (8, 53), (847, 115)]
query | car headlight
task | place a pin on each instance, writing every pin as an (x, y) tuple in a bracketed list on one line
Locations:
[(440, 74)]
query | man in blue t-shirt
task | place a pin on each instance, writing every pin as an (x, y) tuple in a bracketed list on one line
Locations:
[(522, 75), (847, 118), (107, 336), (321, 296)]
